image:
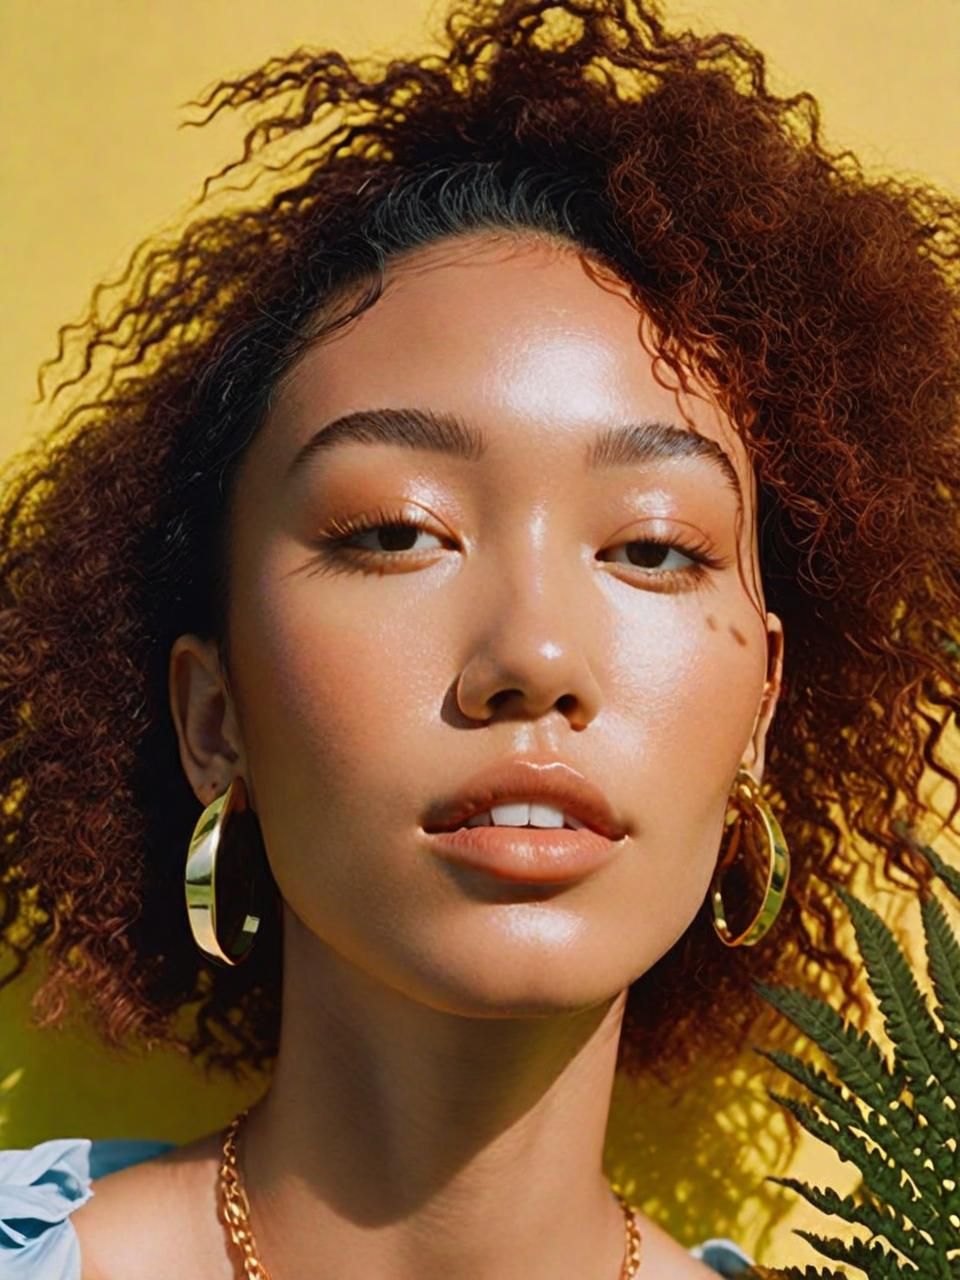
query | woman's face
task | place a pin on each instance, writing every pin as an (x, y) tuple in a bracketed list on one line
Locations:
[(528, 616)]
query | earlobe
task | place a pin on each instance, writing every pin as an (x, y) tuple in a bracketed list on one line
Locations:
[(202, 715)]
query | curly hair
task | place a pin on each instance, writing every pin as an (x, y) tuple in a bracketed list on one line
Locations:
[(819, 304)]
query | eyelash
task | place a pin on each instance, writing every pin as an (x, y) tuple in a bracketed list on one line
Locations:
[(334, 548)]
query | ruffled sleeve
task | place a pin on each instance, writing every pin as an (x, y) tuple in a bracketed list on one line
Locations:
[(723, 1256), (39, 1188)]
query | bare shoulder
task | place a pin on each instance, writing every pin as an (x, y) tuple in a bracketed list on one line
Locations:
[(156, 1218), (667, 1258), (160, 1218)]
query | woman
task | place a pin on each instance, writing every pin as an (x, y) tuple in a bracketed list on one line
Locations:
[(562, 415)]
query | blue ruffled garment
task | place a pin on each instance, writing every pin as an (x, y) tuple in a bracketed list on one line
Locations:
[(41, 1186)]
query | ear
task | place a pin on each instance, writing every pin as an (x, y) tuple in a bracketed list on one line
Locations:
[(754, 758), (203, 713)]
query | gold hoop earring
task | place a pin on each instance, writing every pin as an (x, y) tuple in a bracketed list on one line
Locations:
[(749, 802), (224, 911)]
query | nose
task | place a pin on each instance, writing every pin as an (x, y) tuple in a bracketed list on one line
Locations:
[(531, 653)]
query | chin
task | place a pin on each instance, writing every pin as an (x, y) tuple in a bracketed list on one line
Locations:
[(535, 963)]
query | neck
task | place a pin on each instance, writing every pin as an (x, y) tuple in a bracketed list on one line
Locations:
[(403, 1141)]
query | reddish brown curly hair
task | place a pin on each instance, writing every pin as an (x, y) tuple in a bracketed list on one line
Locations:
[(821, 305)]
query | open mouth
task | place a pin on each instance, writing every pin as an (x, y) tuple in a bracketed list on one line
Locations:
[(528, 855), (520, 816)]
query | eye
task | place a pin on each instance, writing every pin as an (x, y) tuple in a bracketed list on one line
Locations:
[(390, 535), (398, 535), (667, 564), (654, 553)]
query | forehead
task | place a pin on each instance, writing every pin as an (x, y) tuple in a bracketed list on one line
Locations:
[(516, 333)]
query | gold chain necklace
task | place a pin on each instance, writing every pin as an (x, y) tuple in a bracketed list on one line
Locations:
[(236, 1212)]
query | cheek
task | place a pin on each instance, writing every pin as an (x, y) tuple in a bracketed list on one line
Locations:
[(684, 708), (705, 678), (707, 651), (686, 703), (326, 700)]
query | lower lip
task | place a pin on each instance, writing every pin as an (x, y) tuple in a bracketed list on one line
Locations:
[(527, 855)]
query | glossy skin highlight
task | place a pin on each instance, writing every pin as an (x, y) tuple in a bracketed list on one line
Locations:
[(449, 1036)]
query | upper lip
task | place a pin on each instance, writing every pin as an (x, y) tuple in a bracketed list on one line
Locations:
[(537, 779)]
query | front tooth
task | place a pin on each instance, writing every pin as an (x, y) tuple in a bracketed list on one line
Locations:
[(511, 815), (545, 815)]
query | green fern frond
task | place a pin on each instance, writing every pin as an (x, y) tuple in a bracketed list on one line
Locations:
[(919, 1047), (943, 957), (881, 1179), (854, 1055), (876, 1261), (900, 1126), (819, 1084), (903, 1142), (810, 1272), (879, 1219)]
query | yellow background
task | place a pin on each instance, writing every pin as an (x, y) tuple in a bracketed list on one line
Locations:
[(91, 163)]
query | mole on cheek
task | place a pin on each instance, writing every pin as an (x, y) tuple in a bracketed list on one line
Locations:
[(711, 622), (738, 635)]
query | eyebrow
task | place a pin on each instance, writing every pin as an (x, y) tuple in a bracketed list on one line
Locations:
[(651, 440)]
